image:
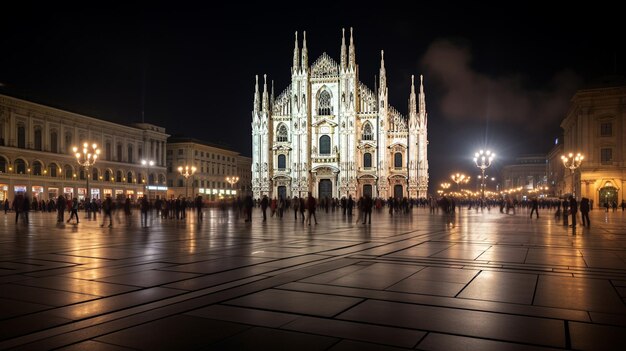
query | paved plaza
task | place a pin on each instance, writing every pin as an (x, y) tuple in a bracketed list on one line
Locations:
[(474, 281)]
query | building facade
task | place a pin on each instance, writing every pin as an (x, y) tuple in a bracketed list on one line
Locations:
[(328, 133), (528, 173), (36, 155), (595, 126), (213, 164), (244, 165)]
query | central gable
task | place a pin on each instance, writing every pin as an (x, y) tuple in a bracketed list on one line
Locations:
[(324, 67)]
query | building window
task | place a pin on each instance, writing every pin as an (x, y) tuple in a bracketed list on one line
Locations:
[(118, 177), (606, 129), (397, 160), (119, 152), (107, 175), (37, 168), (94, 174), (170, 183), (68, 141), (180, 183), (20, 166), (606, 156), (324, 107), (108, 151), (140, 153), (367, 160), (54, 143), (130, 154), (324, 145), (53, 170), (129, 177), (281, 134), (81, 174), (180, 152), (69, 172), (367, 132), (21, 136), (282, 162), (38, 139)]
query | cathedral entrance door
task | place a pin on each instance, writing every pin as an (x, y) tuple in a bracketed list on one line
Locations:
[(367, 190), (325, 189), (282, 192), (397, 191)]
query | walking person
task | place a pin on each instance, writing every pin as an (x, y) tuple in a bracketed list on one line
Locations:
[(7, 206), (264, 203), (302, 207), (367, 209), (573, 206), (311, 207), (145, 207), (60, 209), (107, 207), (94, 209), (295, 203), (584, 211), (74, 211), (534, 207), (199, 205)]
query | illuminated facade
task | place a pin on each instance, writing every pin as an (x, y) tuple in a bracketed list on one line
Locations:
[(595, 126), (328, 133), (213, 164), (36, 156)]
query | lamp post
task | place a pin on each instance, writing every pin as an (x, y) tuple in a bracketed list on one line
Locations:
[(186, 172), (572, 162), (460, 178), (232, 181), (147, 163), (483, 159), (86, 159), (445, 186)]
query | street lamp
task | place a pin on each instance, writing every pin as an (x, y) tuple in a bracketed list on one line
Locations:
[(232, 181), (483, 159), (87, 159), (445, 186), (460, 178), (186, 172), (147, 163), (572, 162)]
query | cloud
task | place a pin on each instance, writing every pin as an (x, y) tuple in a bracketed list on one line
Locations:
[(471, 95)]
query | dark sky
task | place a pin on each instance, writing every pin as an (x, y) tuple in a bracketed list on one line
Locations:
[(497, 76)]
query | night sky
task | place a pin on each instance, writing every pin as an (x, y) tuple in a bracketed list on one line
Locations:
[(499, 77)]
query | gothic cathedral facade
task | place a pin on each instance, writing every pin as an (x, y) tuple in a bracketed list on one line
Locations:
[(329, 134)]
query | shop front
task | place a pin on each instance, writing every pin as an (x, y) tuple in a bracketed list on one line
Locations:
[(53, 193), (4, 192), (37, 192), (68, 192)]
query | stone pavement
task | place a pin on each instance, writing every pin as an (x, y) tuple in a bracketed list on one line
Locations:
[(475, 281)]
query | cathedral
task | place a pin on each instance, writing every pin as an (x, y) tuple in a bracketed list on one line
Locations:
[(329, 134)]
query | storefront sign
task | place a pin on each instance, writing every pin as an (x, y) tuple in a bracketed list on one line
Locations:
[(37, 189), (68, 190), (19, 188)]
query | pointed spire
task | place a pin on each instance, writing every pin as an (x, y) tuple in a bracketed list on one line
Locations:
[(265, 97), (351, 51), (305, 54), (257, 96), (422, 97), (296, 56), (412, 100), (272, 95), (344, 55), (383, 72)]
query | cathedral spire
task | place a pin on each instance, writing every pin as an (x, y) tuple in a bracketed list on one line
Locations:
[(351, 51), (305, 54), (383, 72), (422, 97), (412, 103), (296, 57), (272, 95), (344, 55), (265, 97), (257, 97)]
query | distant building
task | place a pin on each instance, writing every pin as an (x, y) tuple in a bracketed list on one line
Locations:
[(595, 126), (528, 172), (328, 133), (555, 170), (244, 166), (213, 164), (36, 155)]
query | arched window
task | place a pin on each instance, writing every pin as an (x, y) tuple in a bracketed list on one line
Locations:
[(151, 178), (69, 172), (37, 166), (107, 175), (3, 165), (53, 170), (281, 134), (367, 132), (54, 141), (323, 106), (367, 160), (20, 166), (397, 160), (38, 140), (161, 179), (81, 174), (282, 162), (324, 145), (119, 152), (21, 136), (94, 174), (118, 177), (68, 142), (129, 177)]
